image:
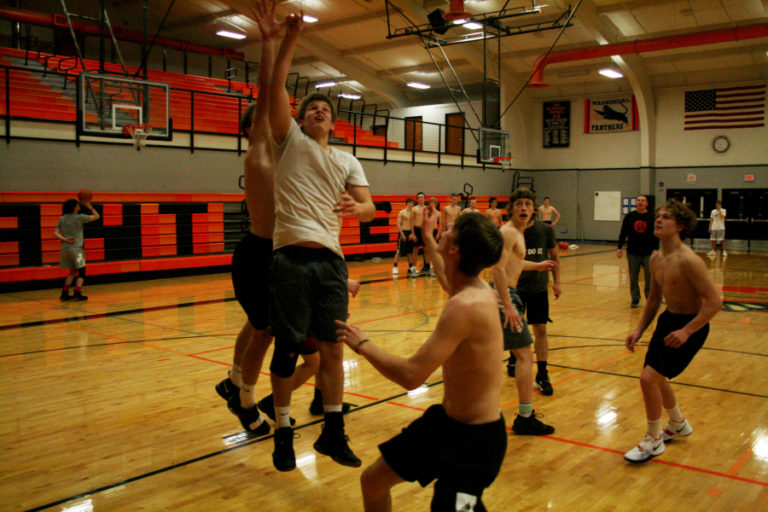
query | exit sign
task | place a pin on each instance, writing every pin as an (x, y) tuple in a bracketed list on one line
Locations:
[(749, 177)]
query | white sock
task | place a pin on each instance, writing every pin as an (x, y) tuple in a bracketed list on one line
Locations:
[(236, 375), (333, 408), (675, 416), (283, 416), (654, 428), (246, 396)]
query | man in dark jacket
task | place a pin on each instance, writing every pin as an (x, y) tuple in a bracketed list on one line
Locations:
[(637, 230)]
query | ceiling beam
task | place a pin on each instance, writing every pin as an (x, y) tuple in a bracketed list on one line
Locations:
[(201, 19)]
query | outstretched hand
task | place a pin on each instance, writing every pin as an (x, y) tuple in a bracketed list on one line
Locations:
[(429, 220), (352, 335), (294, 22), (264, 14)]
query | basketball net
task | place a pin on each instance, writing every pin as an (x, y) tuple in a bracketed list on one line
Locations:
[(139, 133), (505, 161)]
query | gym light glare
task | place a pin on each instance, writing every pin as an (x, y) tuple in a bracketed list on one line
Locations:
[(309, 19), (231, 35), (473, 25), (610, 73), (350, 96), (417, 85), (324, 84)]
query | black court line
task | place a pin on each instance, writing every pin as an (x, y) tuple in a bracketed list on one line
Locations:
[(637, 377), (640, 344), (114, 343), (207, 456), (79, 318)]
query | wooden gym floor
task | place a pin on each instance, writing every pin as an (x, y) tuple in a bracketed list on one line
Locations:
[(110, 404)]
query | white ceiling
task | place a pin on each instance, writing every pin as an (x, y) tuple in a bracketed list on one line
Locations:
[(350, 42)]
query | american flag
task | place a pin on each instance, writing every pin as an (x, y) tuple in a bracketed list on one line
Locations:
[(732, 107)]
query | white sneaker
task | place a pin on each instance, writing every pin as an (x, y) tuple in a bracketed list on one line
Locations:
[(395, 270), (670, 432), (645, 450), (711, 254), (413, 270), (725, 254)]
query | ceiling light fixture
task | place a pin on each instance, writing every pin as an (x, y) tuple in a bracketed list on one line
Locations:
[(229, 34), (350, 96), (417, 85), (611, 73), (324, 84), (309, 19), (473, 25), (460, 21)]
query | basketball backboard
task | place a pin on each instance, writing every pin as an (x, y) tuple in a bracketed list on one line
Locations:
[(107, 103), (493, 144)]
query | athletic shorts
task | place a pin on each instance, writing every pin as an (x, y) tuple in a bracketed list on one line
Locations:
[(251, 264), (547, 222), (71, 257), (464, 458), (419, 240), (536, 306), (512, 338), (405, 247), (309, 292), (670, 362), (717, 235)]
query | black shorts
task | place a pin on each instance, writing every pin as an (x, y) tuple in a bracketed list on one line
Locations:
[(670, 362), (405, 247), (536, 307), (251, 264), (547, 222), (465, 459), (419, 240), (309, 292)]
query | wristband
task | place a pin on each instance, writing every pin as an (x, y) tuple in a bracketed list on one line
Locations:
[(357, 347)]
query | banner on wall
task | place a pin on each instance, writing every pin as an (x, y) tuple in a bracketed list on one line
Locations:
[(557, 124), (610, 115)]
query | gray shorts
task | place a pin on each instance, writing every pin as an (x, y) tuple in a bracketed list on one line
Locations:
[(514, 339), (309, 292), (71, 257), (717, 235)]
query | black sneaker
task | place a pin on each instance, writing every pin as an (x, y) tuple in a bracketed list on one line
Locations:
[(79, 296), (65, 296), (531, 426), (227, 389), (336, 447), (267, 406), (283, 457), (333, 442), (511, 370), (635, 305), (542, 383), (249, 418)]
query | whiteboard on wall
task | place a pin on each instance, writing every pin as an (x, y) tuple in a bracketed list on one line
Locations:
[(608, 205)]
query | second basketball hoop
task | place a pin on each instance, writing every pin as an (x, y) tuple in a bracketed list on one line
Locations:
[(139, 132)]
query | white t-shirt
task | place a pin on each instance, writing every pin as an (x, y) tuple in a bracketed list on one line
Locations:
[(309, 181), (718, 219)]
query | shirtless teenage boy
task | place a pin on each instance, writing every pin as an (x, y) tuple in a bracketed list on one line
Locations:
[(494, 213), (680, 278), (462, 441), (546, 211), (404, 242)]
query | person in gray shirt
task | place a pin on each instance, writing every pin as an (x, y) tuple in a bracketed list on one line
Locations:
[(69, 230)]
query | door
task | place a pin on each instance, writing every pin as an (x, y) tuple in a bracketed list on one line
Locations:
[(701, 201), (454, 133), (413, 133), (746, 213)]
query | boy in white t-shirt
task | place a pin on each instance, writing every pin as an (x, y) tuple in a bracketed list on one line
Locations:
[(315, 186), (717, 228)]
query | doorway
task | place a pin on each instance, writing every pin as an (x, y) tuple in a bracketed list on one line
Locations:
[(413, 135), (454, 133)]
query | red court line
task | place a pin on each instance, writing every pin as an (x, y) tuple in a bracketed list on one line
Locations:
[(744, 289), (666, 463)]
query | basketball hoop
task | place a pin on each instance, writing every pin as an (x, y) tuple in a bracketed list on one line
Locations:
[(457, 11), (505, 161), (139, 132)]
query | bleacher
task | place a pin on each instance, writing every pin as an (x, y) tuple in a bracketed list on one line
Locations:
[(217, 103)]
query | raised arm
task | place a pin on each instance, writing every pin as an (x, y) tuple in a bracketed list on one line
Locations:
[(94, 214), (412, 372), (279, 107), (264, 14)]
